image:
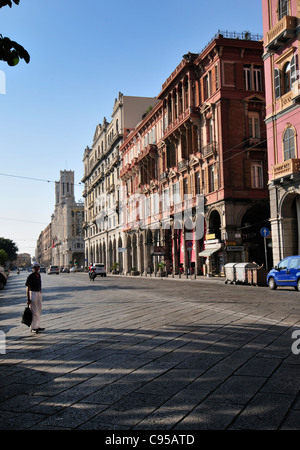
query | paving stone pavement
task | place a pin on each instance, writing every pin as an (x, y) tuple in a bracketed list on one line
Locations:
[(135, 353)]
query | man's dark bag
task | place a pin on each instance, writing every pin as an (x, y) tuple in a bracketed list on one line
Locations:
[(27, 316)]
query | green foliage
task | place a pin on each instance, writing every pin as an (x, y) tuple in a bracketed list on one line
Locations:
[(161, 265), (8, 3), (3, 257), (10, 51), (9, 247)]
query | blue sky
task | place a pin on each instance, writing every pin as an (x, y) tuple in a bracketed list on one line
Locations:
[(82, 54)]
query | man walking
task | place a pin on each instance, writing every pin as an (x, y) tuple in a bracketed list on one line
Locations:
[(34, 297)]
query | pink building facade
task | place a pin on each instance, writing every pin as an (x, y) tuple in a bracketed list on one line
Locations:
[(281, 27), (194, 171)]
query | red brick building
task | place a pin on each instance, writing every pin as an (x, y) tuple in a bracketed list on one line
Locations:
[(200, 152)]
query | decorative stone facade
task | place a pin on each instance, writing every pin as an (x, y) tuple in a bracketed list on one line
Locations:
[(43, 252), (66, 224), (103, 231), (281, 24), (194, 170)]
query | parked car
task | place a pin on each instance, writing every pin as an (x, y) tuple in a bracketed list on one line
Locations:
[(73, 269), (286, 273), (53, 269), (42, 269), (98, 269)]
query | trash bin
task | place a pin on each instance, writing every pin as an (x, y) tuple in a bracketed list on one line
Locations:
[(258, 276), (243, 272), (230, 272)]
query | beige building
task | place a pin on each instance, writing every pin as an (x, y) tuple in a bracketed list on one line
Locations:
[(43, 253), (23, 260), (66, 224), (103, 231)]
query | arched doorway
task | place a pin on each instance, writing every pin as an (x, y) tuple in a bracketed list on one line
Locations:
[(134, 252), (189, 247), (141, 254), (129, 255), (110, 255), (290, 213), (104, 255), (120, 255), (177, 249), (253, 220), (215, 224), (148, 250)]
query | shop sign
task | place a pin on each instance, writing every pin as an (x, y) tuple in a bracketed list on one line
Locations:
[(212, 241), (216, 246), (159, 250), (235, 248)]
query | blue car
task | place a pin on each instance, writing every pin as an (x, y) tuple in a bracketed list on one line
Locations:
[(286, 273)]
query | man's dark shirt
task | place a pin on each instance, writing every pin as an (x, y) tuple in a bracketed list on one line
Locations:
[(34, 282)]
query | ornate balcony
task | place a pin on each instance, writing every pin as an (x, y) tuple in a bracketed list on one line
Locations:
[(126, 171), (281, 33), (150, 150), (210, 149), (296, 91), (183, 165), (286, 169), (163, 176)]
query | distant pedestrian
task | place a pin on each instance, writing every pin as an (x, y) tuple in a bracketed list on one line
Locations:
[(34, 297)]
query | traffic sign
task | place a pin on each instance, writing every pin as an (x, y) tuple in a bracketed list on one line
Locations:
[(265, 232), (189, 244)]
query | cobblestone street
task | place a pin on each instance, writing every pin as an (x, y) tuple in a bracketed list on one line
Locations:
[(133, 353)]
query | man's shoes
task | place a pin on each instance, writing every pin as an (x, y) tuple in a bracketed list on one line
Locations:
[(34, 331), (37, 330), (40, 329)]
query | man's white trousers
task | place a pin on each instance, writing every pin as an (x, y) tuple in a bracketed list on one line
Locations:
[(36, 309)]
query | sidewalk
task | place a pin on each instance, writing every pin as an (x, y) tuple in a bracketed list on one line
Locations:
[(118, 354), (182, 277)]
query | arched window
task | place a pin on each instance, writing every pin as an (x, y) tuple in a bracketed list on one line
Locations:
[(289, 144)]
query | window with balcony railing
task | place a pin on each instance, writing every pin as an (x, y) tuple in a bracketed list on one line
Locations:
[(283, 8), (289, 144), (284, 79)]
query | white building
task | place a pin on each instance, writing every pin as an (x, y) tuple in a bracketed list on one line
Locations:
[(103, 228), (66, 224)]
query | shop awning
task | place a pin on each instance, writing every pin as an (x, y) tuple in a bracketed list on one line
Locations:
[(209, 251)]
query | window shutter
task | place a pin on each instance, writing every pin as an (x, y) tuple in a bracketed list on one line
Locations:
[(293, 68), (277, 83), (216, 177)]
